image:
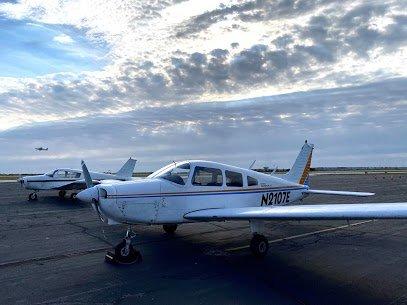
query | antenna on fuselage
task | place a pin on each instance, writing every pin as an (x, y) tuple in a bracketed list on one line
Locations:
[(251, 165)]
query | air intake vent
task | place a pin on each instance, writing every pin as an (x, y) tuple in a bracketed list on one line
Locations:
[(102, 193)]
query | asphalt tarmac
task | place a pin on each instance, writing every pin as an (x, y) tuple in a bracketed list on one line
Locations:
[(52, 252)]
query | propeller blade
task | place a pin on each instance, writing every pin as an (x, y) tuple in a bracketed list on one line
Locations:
[(95, 207), (86, 175)]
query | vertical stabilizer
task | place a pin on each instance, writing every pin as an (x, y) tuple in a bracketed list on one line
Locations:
[(300, 170), (127, 169)]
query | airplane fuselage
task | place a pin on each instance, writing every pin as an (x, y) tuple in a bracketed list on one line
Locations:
[(51, 181), (156, 200)]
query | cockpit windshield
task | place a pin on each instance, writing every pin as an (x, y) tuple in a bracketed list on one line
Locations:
[(51, 173), (178, 174)]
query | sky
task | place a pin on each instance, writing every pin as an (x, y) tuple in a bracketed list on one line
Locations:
[(232, 82)]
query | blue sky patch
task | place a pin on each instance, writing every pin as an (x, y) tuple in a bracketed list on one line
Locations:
[(32, 49)]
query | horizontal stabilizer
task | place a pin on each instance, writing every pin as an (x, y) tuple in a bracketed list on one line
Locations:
[(341, 193), (305, 212)]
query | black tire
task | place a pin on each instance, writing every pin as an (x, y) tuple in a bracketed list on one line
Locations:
[(259, 245), (73, 196), (33, 197), (170, 228), (133, 256), (62, 194)]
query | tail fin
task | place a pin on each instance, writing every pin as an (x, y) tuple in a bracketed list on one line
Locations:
[(127, 169), (300, 170)]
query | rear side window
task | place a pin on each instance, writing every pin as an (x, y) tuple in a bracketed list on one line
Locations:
[(251, 181), (234, 179), (207, 176)]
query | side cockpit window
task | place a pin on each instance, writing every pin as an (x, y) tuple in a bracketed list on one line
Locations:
[(207, 176), (178, 174), (234, 179), (251, 181), (66, 174), (61, 174)]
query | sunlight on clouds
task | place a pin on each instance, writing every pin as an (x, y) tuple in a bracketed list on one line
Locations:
[(164, 53)]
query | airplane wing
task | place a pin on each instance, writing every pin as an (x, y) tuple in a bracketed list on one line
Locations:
[(75, 185), (342, 193), (305, 212)]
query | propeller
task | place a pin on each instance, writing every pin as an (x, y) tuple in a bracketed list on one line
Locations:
[(88, 178), (90, 194), (20, 179)]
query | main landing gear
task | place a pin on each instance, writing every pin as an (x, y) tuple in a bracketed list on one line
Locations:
[(73, 196), (259, 244), (124, 252), (170, 228), (33, 197)]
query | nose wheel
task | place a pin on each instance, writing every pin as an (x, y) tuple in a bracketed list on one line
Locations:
[(62, 194), (33, 197), (124, 252), (170, 228)]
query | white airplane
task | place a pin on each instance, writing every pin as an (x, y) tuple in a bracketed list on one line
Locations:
[(198, 191), (64, 179)]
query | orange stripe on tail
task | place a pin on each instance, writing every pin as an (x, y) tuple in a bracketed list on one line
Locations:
[(306, 170)]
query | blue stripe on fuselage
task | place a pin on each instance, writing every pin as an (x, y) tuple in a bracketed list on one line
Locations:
[(206, 193)]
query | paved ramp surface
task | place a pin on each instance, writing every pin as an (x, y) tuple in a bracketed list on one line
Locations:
[(52, 252)]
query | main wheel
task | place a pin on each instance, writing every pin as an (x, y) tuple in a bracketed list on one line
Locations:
[(170, 228), (73, 196), (62, 194), (259, 245), (124, 256), (33, 197)]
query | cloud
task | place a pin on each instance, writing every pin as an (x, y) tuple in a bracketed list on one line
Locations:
[(63, 38), (171, 56), (358, 125)]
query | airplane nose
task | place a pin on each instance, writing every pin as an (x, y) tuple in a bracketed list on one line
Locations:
[(22, 181), (88, 194)]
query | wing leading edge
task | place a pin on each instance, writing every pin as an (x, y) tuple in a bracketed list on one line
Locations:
[(341, 193), (305, 212)]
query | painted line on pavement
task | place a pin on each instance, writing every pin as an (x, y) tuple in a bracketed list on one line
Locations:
[(304, 234)]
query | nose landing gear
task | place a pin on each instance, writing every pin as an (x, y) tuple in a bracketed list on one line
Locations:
[(33, 197), (124, 252), (62, 194), (170, 228)]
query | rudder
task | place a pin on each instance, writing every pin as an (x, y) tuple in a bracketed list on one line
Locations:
[(127, 169), (302, 165)]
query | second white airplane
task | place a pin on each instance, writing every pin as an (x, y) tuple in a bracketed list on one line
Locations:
[(64, 179), (196, 191)]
